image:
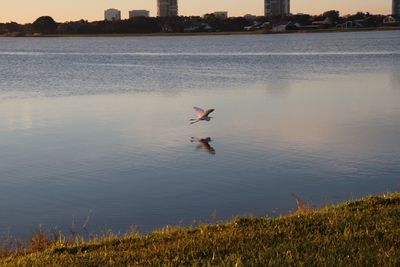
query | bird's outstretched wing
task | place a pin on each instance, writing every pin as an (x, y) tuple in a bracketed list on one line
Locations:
[(199, 111), (208, 112)]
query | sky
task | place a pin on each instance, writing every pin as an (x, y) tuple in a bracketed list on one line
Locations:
[(24, 11)]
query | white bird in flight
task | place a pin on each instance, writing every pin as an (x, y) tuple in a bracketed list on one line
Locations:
[(202, 115)]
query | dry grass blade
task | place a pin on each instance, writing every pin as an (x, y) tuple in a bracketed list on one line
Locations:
[(301, 205)]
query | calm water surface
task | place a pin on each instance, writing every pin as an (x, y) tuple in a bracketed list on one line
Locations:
[(99, 127)]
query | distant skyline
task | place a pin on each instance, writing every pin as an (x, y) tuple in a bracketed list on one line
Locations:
[(24, 11)]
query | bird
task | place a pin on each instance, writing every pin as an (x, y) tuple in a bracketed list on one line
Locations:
[(202, 115), (204, 143)]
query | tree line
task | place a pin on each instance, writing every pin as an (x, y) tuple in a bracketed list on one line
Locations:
[(209, 22)]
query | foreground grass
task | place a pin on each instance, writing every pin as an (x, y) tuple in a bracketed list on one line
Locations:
[(359, 233)]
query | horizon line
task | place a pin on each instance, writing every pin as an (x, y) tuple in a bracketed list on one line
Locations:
[(291, 14)]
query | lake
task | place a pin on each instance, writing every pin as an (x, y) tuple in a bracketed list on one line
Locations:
[(96, 130)]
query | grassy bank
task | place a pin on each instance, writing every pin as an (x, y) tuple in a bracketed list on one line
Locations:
[(358, 233)]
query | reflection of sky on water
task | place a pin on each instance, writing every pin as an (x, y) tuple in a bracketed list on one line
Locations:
[(100, 124), (128, 157), (395, 80), (93, 66)]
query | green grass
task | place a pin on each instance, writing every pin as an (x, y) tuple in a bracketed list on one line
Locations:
[(358, 233)]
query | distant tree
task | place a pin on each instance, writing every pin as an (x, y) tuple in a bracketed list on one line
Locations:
[(261, 19), (172, 24), (45, 25), (234, 24), (334, 15), (358, 16), (211, 20), (278, 19), (302, 19), (373, 21), (14, 27), (75, 27), (209, 17), (3, 28)]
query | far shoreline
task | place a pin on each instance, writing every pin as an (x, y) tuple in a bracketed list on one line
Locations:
[(174, 34)]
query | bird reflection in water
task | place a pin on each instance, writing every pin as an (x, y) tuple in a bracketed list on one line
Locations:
[(204, 143)]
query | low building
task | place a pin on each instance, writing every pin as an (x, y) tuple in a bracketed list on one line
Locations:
[(326, 22), (288, 26), (390, 21), (221, 14), (258, 26), (350, 24), (112, 14), (198, 27), (139, 13)]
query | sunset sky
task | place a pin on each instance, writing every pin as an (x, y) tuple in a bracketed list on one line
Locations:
[(68, 10)]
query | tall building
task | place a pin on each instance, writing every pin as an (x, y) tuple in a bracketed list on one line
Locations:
[(276, 7), (396, 7), (167, 8), (139, 13), (112, 14)]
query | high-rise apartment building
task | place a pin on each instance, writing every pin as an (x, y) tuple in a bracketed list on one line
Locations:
[(396, 7), (276, 7), (167, 8)]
